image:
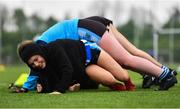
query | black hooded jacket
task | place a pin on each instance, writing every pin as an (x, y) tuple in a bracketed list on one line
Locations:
[(65, 62)]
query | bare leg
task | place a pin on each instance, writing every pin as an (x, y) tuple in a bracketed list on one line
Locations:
[(130, 47), (123, 57), (147, 81), (115, 69), (107, 70), (107, 62), (100, 75), (104, 77)]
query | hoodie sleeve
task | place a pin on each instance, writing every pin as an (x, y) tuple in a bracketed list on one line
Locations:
[(31, 82), (64, 70)]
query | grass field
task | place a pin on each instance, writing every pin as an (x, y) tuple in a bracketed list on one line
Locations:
[(101, 98)]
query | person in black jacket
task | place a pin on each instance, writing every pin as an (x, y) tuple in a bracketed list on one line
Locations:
[(61, 62)]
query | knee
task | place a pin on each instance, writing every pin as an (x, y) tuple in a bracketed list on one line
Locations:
[(109, 81), (125, 77)]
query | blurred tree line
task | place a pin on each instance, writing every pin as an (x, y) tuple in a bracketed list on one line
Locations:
[(25, 27)]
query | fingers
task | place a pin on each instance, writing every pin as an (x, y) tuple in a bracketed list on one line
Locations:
[(16, 89), (75, 87)]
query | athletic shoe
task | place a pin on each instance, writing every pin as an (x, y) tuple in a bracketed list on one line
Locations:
[(173, 72), (167, 82), (130, 86), (147, 81), (118, 87)]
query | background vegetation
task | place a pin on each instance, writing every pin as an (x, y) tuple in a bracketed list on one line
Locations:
[(17, 26)]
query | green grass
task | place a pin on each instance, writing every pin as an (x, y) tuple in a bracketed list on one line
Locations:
[(101, 98)]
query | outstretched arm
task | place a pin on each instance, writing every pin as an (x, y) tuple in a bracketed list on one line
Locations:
[(31, 82)]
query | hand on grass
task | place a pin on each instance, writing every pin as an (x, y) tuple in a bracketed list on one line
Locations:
[(39, 88), (16, 89), (74, 87)]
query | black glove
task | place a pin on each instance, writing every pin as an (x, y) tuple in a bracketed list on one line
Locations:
[(16, 89)]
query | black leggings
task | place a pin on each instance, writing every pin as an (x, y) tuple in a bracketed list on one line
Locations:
[(95, 24), (102, 20)]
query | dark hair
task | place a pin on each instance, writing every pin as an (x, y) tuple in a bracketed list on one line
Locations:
[(27, 49)]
